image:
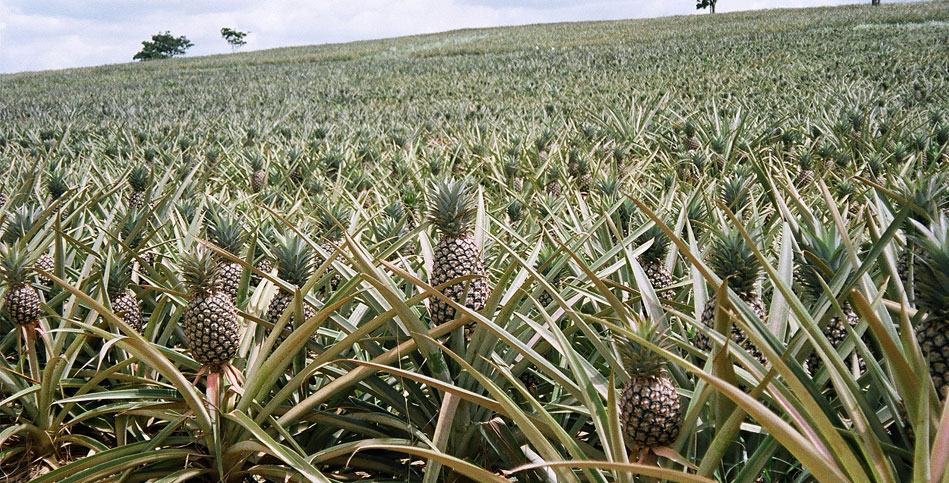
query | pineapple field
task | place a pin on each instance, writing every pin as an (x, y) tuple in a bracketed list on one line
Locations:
[(709, 248)]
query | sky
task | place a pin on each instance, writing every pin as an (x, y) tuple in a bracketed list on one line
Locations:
[(57, 34)]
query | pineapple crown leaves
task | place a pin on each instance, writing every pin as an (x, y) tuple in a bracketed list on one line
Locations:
[(133, 229), (453, 207), (116, 273), (609, 188), (227, 233), (199, 270), (56, 184), (660, 244), (822, 255), (510, 168), (395, 211), (21, 223), (294, 259), (515, 210), (16, 266), (806, 161), (410, 196), (731, 257), (927, 194), (933, 267), (333, 220), (637, 358), (139, 178), (736, 192), (256, 163), (546, 260)]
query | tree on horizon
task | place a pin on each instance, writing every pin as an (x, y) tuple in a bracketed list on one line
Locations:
[(163, 46)]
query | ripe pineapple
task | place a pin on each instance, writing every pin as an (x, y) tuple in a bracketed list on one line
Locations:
[(211, 326), (139, 179), (650, 410), (456, 254), (258, 176), (731, 256), (228, 234), (932, 277), (652, 259), (294, 266), (124, 302), (20, 302)]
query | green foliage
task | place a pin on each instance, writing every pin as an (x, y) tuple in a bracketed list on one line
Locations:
[(163, 46)]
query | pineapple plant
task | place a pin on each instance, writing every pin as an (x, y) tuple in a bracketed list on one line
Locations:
[(730, 257), (650, 409), (692, 141), (928, 197), (822, 256), (21, 223), (211, 326), (124, 303), (410, 202), (294, 266), (453, 210), (583, 176), (511, 169), (228, 234), (139, 179), (515, 211), (552, 180), (132, 234), (805, 174), (258, 174), (932, 276), (332, 222), (652, 259), (21, 303)]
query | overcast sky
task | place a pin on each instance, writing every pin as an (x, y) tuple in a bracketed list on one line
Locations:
[(55, 34)]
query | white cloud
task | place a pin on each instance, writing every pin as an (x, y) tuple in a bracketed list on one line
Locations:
[(61, 33)]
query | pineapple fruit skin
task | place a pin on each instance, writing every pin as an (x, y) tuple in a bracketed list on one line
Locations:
[(211, 328), (933, 336), (650, 410), (137, 200), (279, 304), (126, 306), (229, 277), (457, 257), (22, 304), (737, 335), (46, 263)]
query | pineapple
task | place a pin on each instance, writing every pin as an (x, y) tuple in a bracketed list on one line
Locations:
[(56, 184), (692, 141), (456, 254), (584, 178), (332, 223), (553, 187), (928, 196), (133, 236), (258, 175), (731, 257), (652, 259), (23, 220), (228, 234), (211, 326), (510, 173), (294, 266), (3, 199), (805, 175), (932, 276), (825, 256), (735, 192), (410, 201), (124, 302), (650, 410), (139, 180), (20, 302)]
